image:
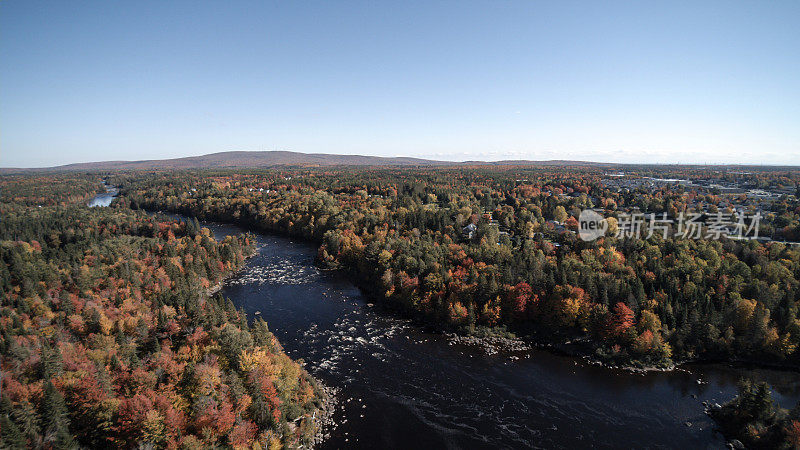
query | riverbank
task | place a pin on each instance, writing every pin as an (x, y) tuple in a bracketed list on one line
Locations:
[(580, 347), (218, 287), (503, 341), (555, 342), (516, 348), (322, 417)]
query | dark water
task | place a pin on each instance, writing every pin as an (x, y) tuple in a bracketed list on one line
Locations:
[(404, 388)]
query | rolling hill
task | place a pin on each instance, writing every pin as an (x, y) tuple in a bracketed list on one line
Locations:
[(255, 159)]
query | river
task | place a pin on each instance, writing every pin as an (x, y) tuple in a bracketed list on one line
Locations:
[(402, 387), (105, 198)]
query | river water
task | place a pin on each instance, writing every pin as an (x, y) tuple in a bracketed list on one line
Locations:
[(105, 198), (402, 387)]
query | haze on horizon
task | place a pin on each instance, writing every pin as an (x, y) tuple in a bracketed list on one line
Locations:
[(632, 82)]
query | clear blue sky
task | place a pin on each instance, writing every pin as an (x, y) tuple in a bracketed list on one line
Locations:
[(638, 81)]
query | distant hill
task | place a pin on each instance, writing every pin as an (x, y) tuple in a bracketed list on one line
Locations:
[(274, 158), (247, 159)]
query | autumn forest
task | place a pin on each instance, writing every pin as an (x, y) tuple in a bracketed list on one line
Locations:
[(113, 333)]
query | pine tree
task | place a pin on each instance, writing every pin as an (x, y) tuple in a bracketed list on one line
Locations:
[(24, 415), (55, 418), (51, 365), (11, 436)]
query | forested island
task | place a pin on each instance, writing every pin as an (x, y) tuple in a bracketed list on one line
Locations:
[(109, 336)]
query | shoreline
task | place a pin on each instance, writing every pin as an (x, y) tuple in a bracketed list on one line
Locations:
[(492, 345), (558, 348), (218, 287), (323, 423), (500, 344)]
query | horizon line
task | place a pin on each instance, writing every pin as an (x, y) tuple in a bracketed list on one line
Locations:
[(423, 162)]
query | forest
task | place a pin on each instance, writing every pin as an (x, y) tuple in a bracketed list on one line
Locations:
[(404, 236), (111, 338)]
